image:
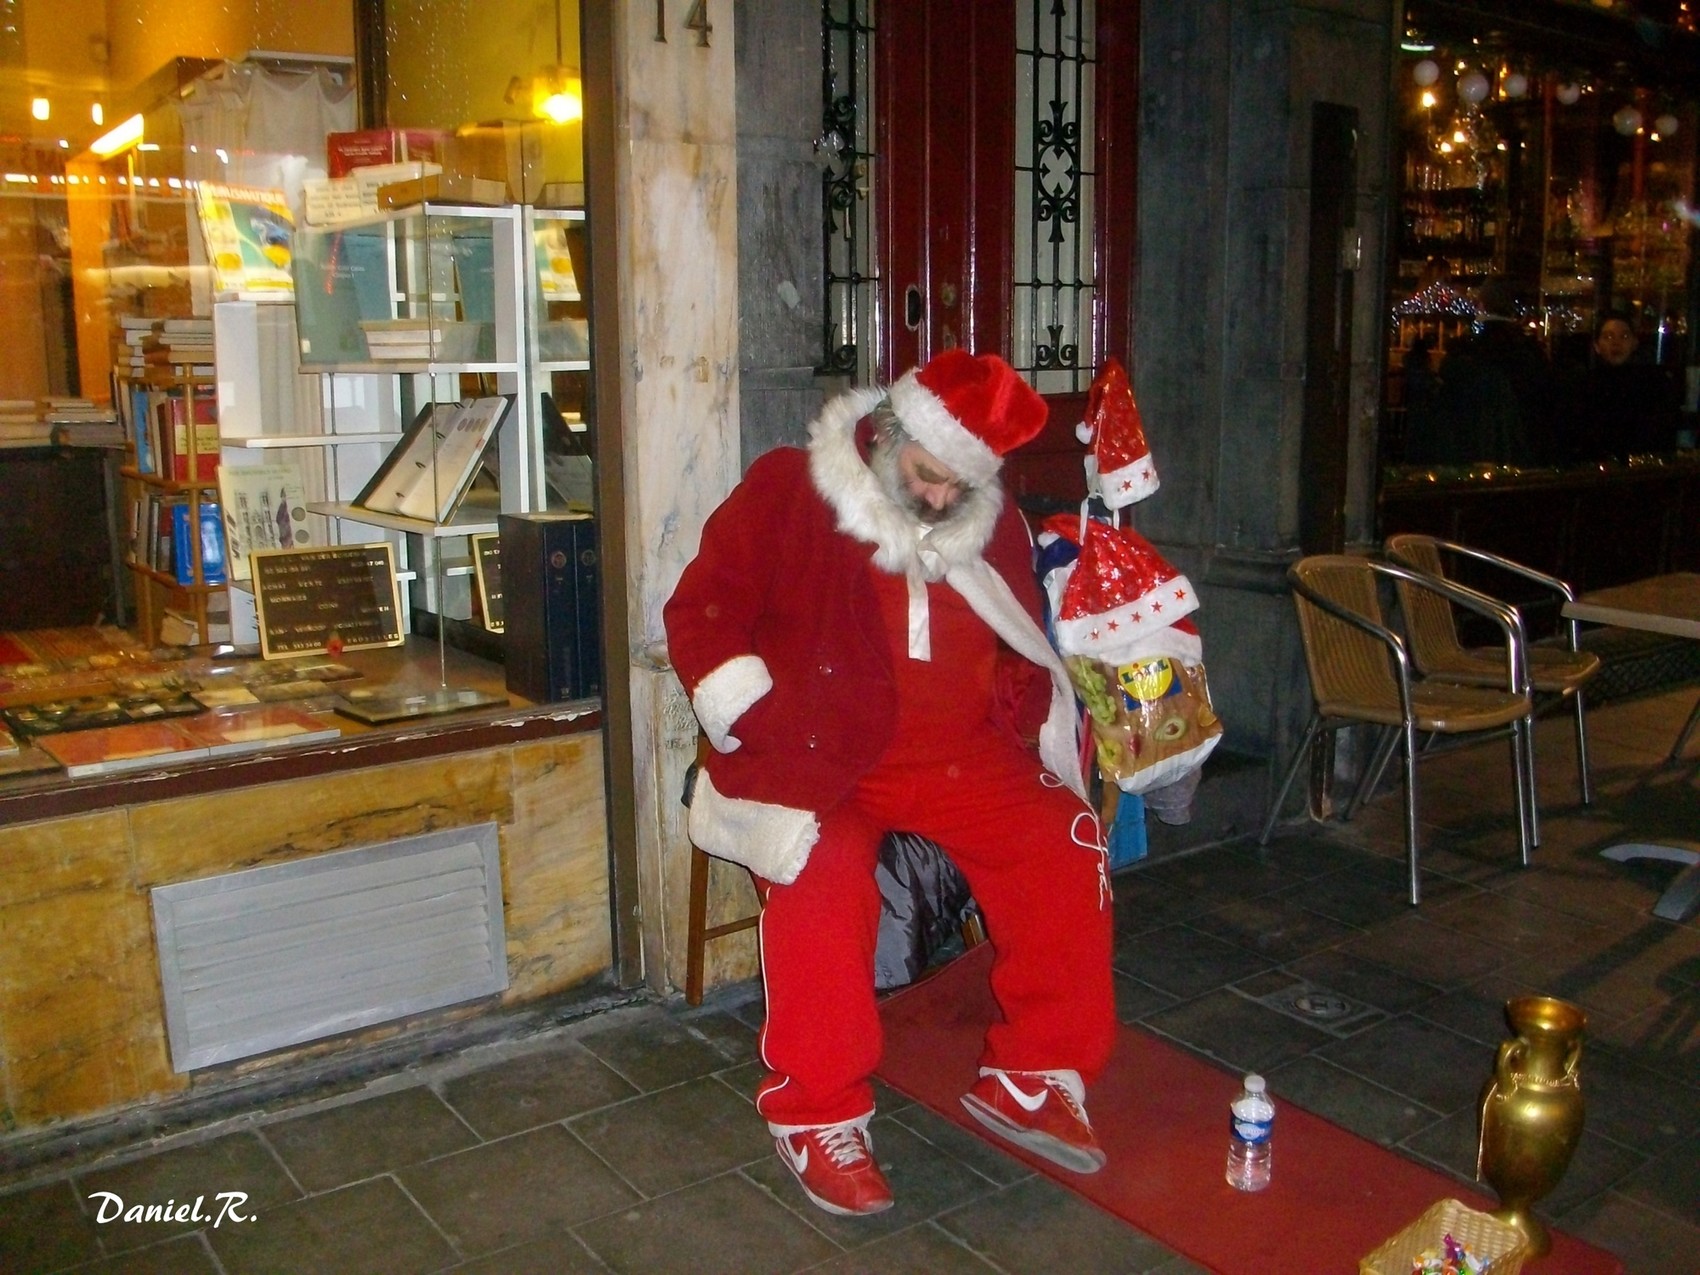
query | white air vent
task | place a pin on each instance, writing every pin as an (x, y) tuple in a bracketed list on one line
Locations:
[(274, 956)]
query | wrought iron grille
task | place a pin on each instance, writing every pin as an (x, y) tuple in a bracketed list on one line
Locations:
[(1054, 283), (844, 151)]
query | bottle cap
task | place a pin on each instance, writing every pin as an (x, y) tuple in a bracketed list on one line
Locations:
[(1254, 1083)]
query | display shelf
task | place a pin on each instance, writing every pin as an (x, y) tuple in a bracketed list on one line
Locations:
[(266, 442), (465, 522), (168, 484)]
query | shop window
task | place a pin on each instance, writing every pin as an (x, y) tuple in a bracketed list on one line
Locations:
[(1542, 183), (224, 314)]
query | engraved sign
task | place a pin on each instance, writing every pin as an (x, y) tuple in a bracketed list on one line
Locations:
[(487, 567), (326, 601)]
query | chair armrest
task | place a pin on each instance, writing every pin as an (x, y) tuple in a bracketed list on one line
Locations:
[(1503, 614), (1558, 586)]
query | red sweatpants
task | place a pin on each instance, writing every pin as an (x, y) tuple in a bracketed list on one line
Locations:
[(1032, 854)]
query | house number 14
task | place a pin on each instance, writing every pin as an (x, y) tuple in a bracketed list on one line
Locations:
[(695, 20)]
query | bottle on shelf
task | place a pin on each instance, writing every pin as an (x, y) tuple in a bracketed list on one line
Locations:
[(1251, 1121)]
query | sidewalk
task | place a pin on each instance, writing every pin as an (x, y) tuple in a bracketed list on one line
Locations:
[(626, 1142)]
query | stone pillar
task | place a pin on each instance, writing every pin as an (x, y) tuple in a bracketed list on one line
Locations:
[(677, 232)]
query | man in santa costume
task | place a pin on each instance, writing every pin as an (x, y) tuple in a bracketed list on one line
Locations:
[(860, 637)]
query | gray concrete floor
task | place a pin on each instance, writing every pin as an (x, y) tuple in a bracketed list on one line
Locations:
[(626, 1142)]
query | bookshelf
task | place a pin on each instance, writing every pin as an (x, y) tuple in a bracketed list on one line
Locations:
[(174, 548)]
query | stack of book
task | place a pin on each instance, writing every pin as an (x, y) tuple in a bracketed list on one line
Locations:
[(182, 343), (78, 422), (134, 333), (21, 424)]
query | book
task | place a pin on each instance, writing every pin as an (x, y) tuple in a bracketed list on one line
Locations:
[(248, 235), (172, 412), (211, 549), (109, 749), (249, 730), (428, 472), (265, 507)]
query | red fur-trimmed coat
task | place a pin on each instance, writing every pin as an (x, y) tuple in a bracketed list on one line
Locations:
[(776, 633)]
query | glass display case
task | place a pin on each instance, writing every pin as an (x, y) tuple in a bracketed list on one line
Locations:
[(427, 307), (558, 353)]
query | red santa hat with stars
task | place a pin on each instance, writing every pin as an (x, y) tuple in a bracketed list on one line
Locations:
[(1117, 437), (1119, 592)]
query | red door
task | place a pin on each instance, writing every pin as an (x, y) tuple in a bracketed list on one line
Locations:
[(1005, 131)]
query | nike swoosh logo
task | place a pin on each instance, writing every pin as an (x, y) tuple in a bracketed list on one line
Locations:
[(799, 1160), (1029, 1102)]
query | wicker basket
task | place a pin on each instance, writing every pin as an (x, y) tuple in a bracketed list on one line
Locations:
[(1502, 1245)]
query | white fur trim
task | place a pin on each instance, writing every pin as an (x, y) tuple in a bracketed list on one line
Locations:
[(1130, 483), (771, 841), (1166, 641), (726, 694), (988, 595), (1109, 631), (866, 513), (930, 424)]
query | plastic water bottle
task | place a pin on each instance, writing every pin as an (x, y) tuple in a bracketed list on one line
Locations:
[(1251, 1120)]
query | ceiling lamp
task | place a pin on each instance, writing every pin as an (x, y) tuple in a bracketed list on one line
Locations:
[(120, 138), (555, 93)]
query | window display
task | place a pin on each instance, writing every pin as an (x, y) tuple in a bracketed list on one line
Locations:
[(253, 291), (1540, 194)]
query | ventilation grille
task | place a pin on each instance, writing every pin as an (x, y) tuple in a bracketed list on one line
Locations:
[(274, 956)]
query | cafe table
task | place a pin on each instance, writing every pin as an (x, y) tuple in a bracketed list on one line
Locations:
[(1668, 604)]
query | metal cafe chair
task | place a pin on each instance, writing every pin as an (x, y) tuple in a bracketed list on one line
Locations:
[(1362, 673), (1553, 672)]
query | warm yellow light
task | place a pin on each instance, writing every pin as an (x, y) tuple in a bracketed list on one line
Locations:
[(557, 96), (561, 107), (121, 137), (97, 113), (40, 108), (1428, 98)]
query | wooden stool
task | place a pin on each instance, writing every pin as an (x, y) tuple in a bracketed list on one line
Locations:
[(699, 933)]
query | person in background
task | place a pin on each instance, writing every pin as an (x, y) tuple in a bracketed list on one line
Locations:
[(1618, 406), (860, 635), (1496, 394)]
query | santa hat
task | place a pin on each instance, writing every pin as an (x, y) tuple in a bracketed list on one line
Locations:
[(1120, 589), (1112, 426), (968, 410)]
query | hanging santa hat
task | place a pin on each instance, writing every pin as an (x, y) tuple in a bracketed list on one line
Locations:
[(969, 411), (1113, 429), (1119, 590)]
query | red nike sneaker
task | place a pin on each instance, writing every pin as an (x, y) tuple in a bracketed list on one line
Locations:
[(835, 1166), (1041, 1111)]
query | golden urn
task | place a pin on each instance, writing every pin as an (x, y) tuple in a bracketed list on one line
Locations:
[(1531, 1110)]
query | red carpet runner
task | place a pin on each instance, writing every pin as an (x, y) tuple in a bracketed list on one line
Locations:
[(1163, 1118)]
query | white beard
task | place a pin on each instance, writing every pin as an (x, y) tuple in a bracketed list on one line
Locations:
[(867, 510)]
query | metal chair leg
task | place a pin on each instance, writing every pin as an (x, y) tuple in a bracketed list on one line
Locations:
[(1530, 788), (1582, 772), (1311, 728), (1409, 731), (1521, 776), (1372, 774)]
